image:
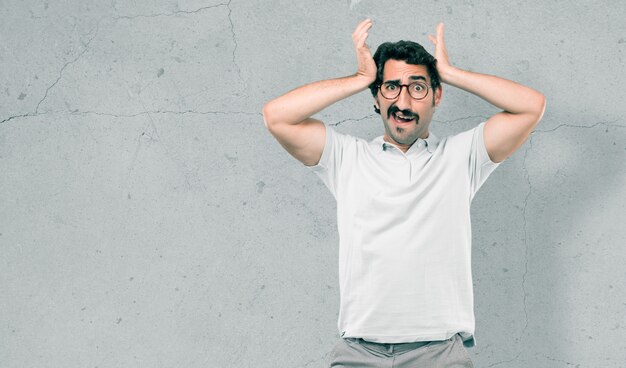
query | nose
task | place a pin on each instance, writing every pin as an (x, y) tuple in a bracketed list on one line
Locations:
[(404, 99)]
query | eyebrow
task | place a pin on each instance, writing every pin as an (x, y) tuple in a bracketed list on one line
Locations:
[(413, 78)]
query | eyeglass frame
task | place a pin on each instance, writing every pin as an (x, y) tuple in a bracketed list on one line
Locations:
[(428, 88)]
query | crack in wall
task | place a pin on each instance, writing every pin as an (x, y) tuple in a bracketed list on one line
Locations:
[(232, 30), (170, 14), (153, 136), (66, 65), (525, 294), (18, 116), (165, 112), (36, 112), (60, 74), (505, 361), (230, 20), (562, 361), (609, 123), (351, 119), (484, 118), (530, 189), (529, 193), (62, 113)]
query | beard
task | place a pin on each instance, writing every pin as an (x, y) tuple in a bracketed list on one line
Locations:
[(402, 135), (405, 135)]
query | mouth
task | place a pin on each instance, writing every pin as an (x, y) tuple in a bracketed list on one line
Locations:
[(403, 117)]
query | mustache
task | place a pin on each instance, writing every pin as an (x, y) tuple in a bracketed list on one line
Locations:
[(409, 113)]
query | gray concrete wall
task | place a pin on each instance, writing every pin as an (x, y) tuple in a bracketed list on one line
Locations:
[(148, 219)]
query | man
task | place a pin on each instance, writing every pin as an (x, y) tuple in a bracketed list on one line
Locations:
[(403, 199)]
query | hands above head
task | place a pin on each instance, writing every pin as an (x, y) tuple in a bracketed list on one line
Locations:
[(367, 66), (441, 54)]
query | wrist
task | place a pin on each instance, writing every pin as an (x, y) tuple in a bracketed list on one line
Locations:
[(449, 74), (362, 81)]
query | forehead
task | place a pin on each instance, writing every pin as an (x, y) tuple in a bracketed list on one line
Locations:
[(400, 70)]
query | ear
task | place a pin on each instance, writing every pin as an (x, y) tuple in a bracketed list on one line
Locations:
[(438, 93), (376, 105)]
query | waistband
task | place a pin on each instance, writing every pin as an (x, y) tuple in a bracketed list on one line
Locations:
[(390, 348)]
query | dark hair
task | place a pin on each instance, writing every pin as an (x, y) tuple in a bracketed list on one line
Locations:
[(411, 53)]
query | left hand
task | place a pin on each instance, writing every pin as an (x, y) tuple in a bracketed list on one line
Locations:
[(441, 54), (367, 66)]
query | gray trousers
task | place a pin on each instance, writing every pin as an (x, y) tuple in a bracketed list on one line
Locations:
[(352, 352)]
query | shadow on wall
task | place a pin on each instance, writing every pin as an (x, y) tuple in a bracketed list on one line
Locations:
[(550, 288), (577, 189)]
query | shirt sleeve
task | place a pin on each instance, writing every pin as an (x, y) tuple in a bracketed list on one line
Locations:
[(480, 165), (329, 165)]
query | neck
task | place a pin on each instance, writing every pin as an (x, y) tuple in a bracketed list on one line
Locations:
[(400, 146)]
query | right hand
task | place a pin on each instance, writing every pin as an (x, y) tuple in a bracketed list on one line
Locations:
[(441, 54), (367, 66)]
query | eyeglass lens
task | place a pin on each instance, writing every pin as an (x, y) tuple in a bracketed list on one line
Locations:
[(417, 90)]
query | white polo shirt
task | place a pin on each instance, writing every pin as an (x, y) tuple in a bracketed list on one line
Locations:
[(405, 234)]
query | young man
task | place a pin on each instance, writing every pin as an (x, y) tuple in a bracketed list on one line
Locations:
[(403, 199)]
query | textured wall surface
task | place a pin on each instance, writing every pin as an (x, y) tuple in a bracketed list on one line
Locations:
[(148, 219)]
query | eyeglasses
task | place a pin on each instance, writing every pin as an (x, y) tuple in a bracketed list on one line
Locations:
[(391, 90)]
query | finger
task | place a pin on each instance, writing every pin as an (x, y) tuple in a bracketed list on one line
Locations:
[(363, 25), (361, 40), (358, 35), (357, 32), (364, 30), (365, 21), (440, 32), (432, 39)]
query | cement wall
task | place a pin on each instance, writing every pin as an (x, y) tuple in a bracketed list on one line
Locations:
[(148, 219)]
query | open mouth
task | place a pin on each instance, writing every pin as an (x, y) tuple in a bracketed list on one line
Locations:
[(403, 118)]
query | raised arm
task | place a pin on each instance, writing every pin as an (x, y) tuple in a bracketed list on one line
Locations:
[(523, 107), (288, 117)]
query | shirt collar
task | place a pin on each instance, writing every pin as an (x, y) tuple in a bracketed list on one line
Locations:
[(431, 143)]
